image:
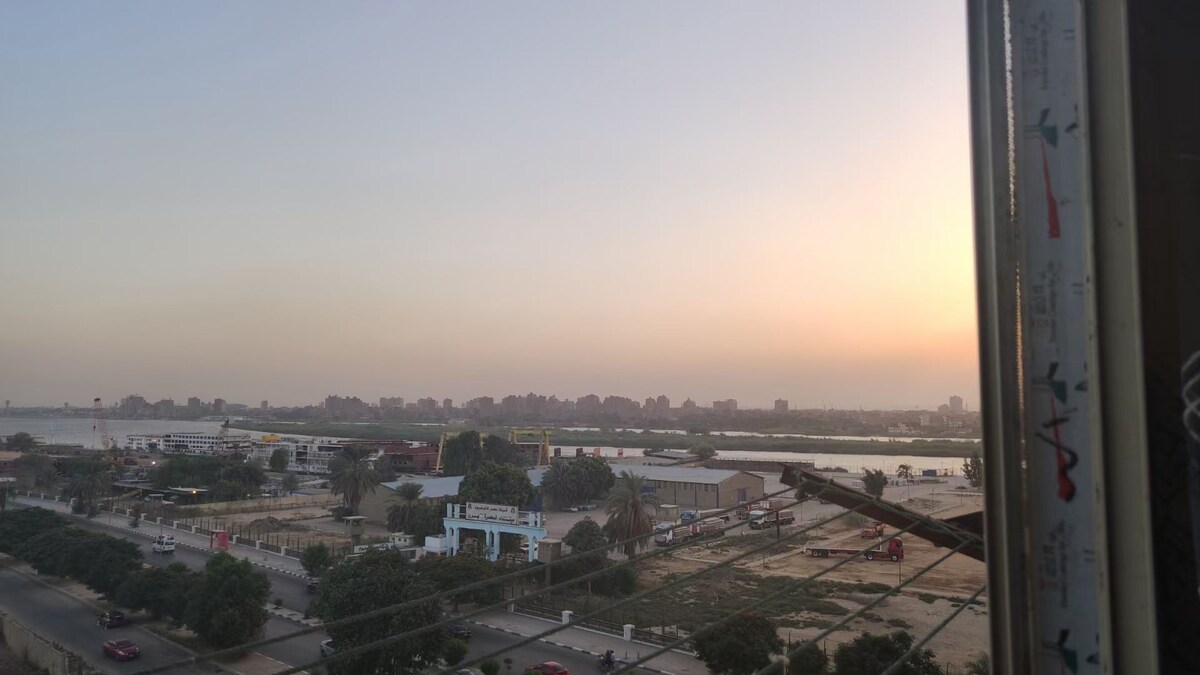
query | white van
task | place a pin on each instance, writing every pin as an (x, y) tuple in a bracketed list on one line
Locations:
[(164, 543)]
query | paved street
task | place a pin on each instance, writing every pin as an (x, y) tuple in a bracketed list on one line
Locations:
[(67, 621)]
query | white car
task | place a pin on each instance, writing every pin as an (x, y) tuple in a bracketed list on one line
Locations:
[(164, 543)]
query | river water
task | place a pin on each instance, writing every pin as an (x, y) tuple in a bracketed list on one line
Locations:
[(80, 431)]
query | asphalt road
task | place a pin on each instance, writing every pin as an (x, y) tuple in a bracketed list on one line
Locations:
[(67, 621)]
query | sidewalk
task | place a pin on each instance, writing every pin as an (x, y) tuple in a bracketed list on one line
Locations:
[(183, 537), (592, 642)]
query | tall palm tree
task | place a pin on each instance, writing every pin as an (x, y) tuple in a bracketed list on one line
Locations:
[(629, 512), (904, 472), (352, 477), (399, 513), (562, 482), (88, 486)]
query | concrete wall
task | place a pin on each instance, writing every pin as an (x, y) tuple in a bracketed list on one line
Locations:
[(42, 653)]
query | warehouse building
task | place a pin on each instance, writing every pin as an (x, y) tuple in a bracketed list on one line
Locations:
[(702, 488)]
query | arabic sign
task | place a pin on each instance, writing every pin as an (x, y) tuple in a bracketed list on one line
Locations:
[(496, 512)]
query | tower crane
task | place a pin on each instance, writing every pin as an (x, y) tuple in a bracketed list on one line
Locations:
[(100, 425)]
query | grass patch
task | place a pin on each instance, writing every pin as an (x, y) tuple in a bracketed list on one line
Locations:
[(928, 598)]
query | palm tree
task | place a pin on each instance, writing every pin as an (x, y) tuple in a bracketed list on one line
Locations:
[(629, 512), (904, 472), (351, 475), (399, 514), (88, 486), (980, 665), (562, 482)]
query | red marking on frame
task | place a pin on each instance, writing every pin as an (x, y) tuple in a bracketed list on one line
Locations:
[(1051, 202)]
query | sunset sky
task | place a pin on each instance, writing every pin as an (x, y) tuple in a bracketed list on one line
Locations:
[(283, 200)]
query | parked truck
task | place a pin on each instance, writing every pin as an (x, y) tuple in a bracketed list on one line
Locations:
[(695, 514), (763, 519), (893, 550), (669, 534), (772, 504), (873, 531)]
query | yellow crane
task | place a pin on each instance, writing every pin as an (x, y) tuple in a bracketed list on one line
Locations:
[(543, 436)]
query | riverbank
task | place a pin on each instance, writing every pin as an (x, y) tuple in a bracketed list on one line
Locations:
[(630, 439)]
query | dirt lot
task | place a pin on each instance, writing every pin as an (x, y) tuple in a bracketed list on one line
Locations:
[(917, 609)]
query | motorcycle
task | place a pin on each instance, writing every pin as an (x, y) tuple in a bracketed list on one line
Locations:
[(606, 665)]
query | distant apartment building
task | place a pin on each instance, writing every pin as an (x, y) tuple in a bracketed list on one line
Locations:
[(588, 404), (956, 404), (345, 407), (263, 406), (218, 406), (194, 405), (427, 404), (391, 402), (728, 405), (164, 409), (447, 404), (781, 405), (650, 406), (134, 406), (484, 405), (688, 406), (620, 405), (662, 404)]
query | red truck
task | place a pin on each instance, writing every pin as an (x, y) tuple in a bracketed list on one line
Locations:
[(872, 531), (894, 551)]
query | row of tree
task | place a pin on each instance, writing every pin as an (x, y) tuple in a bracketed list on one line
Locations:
[(224, 604)]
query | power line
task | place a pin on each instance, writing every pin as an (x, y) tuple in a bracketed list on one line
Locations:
[(362, 649), (442, 595), (895, 667), (791, 587), (854, 615)]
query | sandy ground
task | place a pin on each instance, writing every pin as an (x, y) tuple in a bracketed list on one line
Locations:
[(953, 580)]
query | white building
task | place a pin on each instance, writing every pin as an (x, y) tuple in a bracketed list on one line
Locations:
[(309, 456), (203, 443)]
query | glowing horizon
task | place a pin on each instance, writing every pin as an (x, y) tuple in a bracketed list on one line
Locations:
[(287, 200)]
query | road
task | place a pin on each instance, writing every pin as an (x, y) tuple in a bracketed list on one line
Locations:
[(67, 621), (292, 590)]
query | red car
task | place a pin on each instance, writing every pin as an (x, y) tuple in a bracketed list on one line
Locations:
[(121, 650), (547, 668)]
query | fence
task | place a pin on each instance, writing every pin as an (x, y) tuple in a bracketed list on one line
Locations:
[(610, 621), (42, 653)]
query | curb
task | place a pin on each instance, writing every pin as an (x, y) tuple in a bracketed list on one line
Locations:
[(564, 646)]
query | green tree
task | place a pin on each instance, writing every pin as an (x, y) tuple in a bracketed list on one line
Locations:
[(161, 591), (874, 480), (564, 483), (21, 525), (598, 476), (630, 508), (290, 483), (497, 484), (88, 487), (874, 653), (404, 505), (980, 665), (502, 451), (227, 605), (457, 571), (35, 471), (973, 470), (98, 561), (21, 442), (227, 491), (489, 667), (455, 651), (585, 536), (384, 471), (279, 459), (904, 472), (703, 450), (809, 660), (740, 646), (373, 581), (352, 476), (316, 558), (462, 454)]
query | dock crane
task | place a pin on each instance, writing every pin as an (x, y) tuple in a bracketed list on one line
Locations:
[(100, 426)]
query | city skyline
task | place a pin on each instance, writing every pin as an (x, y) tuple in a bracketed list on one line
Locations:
[(280, 200)]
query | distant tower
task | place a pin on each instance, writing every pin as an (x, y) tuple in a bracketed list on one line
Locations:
[(99, 424), (956, 404)]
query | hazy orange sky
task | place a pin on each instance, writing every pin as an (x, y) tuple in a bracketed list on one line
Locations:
[(284, 200)]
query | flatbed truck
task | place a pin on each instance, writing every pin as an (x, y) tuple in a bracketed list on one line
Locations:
[(892, 550)]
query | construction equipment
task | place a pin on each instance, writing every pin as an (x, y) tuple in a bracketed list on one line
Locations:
[(543, 444), (446, 435)]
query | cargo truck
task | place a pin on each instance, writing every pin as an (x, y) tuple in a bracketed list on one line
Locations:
[(669, 534), (762, 519), (872, 531), (893, 551), (772, 504)]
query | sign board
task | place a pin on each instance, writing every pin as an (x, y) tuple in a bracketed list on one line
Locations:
[(496, 512)]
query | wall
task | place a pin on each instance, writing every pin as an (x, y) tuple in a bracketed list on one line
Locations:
[(754, 486), (42, 653)]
